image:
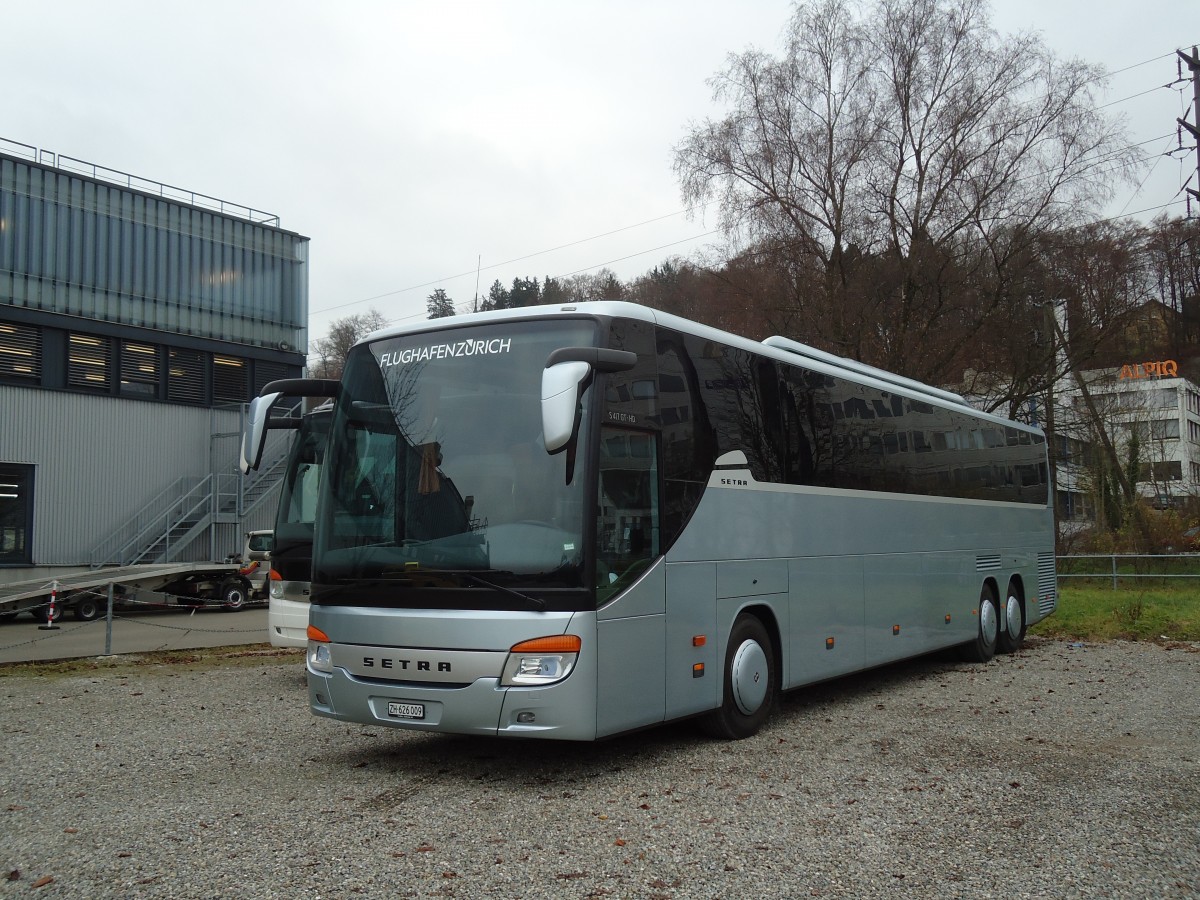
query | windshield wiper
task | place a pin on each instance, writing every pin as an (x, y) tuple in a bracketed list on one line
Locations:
[(535, 602)]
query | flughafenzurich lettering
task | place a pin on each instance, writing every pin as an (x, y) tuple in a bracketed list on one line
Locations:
[(454, 350), (1166, 368)]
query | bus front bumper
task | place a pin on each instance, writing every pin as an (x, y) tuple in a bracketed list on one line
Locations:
[(563, 711)]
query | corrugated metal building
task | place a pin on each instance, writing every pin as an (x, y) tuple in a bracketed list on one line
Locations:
[(136, 320)]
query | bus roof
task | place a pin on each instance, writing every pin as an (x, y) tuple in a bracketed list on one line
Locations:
[(776, 347)]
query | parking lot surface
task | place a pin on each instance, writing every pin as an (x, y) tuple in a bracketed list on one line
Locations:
[(1062, 771), (141, 631)]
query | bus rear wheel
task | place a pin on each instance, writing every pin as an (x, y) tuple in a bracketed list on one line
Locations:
[(748, 690), (983, 648), (1010, 637)]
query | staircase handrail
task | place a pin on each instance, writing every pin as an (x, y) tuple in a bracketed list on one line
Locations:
[(161, 523), (142, 521), (149, 526), (192, 511)]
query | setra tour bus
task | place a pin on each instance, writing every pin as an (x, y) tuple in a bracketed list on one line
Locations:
[(572, 522), (291, 564), (291, 558)]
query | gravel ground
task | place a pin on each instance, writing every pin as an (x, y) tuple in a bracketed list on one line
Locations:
[(1063, 771)]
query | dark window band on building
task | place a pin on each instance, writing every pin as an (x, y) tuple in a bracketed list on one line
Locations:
[(88, 362), (20, 351)]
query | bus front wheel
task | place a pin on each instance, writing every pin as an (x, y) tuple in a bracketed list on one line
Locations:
[(748, 691), (983, 648)]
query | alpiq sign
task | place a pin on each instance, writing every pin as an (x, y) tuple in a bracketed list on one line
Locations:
[(1166, 368)]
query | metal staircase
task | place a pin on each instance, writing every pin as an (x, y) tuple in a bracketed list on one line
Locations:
[(189, 509)]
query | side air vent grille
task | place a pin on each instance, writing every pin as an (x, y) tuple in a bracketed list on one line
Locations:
[(1047, 584), (987, 563)]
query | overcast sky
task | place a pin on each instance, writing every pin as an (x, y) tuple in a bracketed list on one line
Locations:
[(415, 142)]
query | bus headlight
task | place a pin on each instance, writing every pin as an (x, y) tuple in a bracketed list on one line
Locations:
[(541, 661), (320, 659)]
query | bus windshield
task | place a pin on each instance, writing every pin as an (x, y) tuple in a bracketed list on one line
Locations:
[(436, 463)]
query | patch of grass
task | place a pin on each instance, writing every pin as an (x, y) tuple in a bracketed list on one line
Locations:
[(1096, 612), (166, 660)]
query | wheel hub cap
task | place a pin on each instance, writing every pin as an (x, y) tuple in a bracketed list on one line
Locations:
[(749, 676), (989, 624)]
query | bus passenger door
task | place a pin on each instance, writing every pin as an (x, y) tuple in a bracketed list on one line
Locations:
[(629, 585), (691, 639)]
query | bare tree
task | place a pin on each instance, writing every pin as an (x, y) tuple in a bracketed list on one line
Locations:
[(898, 162), (329, 352)]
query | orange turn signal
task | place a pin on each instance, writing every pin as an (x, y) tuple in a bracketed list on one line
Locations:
[(559, 643), (316, 634)]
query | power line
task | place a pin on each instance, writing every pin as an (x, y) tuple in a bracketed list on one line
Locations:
[(475, 271), (611, 232)]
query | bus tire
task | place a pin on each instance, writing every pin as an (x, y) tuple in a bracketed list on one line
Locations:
[(749, 679), (1009, 638), (87, 609), (983, 648), (233, 594)]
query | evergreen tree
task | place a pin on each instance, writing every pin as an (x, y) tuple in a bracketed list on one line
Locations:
[(439, 305), (525, 292)]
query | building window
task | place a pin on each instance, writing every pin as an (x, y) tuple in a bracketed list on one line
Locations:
[(1171, 470), (16, 515), (1158, 430), (185, 376), (266, 372), (139, 370), (89, 362), (230, 380), (20, 352)]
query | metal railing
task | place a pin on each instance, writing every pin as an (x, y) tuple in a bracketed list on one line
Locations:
[(185, 503), (1113, 567), (138, 531), (136, 182)]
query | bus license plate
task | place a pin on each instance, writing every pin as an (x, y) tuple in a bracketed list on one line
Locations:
[(406, 710)]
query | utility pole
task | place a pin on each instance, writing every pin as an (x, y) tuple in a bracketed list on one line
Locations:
[(1193, 64)]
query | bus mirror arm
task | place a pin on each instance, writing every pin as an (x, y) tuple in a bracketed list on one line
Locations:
[(259, 419), (568, 372), (599, 358)]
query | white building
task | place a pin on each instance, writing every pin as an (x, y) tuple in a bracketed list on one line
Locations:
[(1149, 400)]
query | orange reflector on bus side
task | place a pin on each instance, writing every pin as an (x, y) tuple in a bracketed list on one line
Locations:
[(895, 629), (699, 640), (829, 643), (947, 618), (559, 643), (698, 670), (316, 634)]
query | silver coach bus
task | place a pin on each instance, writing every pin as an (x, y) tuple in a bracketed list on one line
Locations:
[(573, 522)]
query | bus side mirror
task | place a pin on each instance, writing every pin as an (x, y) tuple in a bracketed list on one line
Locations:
[(255, 438), (562, 385), (567, 374)]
